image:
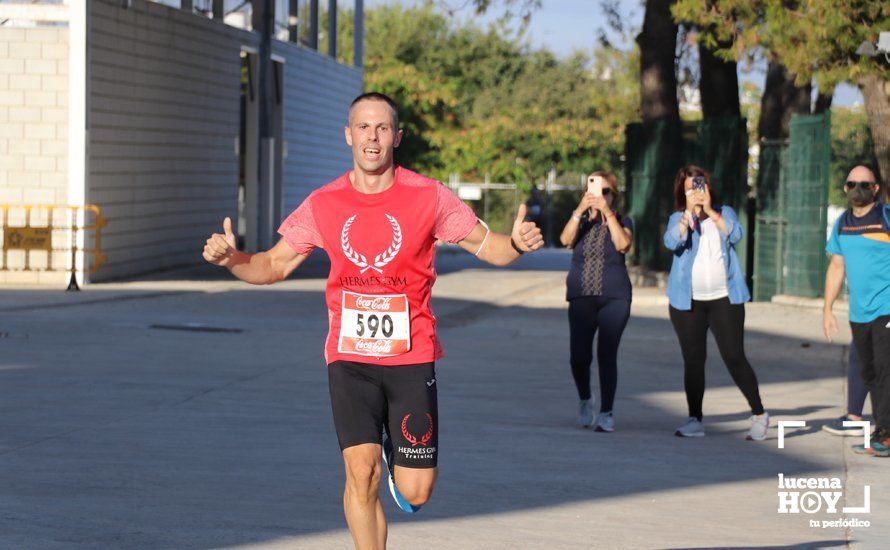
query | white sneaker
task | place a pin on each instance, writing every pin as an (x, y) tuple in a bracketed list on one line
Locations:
[(759, 426), (605, 422), (585, 417), (692, 428)]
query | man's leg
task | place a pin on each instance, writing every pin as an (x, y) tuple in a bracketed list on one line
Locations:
[(358, 404), (856, 390), (416, 484), (880, 337), (413, 426), (862, 339), (364, 514)]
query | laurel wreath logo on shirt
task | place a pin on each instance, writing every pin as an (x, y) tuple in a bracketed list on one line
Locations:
[(380, 260)]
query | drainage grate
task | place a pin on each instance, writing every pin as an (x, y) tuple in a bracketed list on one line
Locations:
[(196, 327)]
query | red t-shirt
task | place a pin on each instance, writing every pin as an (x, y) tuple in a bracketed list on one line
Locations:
[(382, 252)]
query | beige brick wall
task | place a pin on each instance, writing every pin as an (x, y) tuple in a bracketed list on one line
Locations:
[(33, 132), (33, 120)]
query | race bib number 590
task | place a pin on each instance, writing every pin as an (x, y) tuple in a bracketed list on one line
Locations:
[(374, 325)]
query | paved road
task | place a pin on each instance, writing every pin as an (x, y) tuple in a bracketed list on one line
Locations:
[(118, 432)]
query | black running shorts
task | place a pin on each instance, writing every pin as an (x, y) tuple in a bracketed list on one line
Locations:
[(364, 397)]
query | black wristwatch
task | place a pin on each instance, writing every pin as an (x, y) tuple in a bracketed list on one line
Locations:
[(515, 247)]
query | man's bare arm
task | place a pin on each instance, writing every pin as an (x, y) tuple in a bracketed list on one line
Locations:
[(497, 249), (263, 268), (834, 281)]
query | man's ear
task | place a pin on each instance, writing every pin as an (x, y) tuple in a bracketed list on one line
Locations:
[(399, 135), (348, 135)]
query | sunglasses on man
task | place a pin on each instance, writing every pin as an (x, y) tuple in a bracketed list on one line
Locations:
[(862, 184)]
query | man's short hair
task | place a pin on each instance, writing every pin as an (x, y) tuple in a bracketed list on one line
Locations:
[(377, 96)]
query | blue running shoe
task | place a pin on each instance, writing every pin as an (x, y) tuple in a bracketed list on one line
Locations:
[(401, 502)]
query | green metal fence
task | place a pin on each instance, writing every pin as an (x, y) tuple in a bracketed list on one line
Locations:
[(792, 194), (654, 153), (769, 234), (806, 197), (720, 145)]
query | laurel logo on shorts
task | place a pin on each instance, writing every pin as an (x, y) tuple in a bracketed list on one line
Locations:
[(380, 260), (411, 438)]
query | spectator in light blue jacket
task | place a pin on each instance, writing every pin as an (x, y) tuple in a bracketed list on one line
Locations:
[(707, 290)]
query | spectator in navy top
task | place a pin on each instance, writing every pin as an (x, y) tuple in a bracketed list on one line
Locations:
[(599, 293)]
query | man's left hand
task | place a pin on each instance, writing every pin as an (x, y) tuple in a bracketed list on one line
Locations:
[(526, 235)]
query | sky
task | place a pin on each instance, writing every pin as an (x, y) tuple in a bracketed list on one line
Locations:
[(565, 26)]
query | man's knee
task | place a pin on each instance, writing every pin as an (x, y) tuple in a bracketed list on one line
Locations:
[(416, 485), (417, 494), (363, 477)]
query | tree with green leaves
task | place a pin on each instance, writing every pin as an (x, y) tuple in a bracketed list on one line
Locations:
[(480, 102), (816, 40), (728, 30)]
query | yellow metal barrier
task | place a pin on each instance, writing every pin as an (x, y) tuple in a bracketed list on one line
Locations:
[(28, 235)]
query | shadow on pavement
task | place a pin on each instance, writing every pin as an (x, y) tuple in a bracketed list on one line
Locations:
[(113, 434)]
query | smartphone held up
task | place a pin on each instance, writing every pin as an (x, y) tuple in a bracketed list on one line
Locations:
[(595, 185)]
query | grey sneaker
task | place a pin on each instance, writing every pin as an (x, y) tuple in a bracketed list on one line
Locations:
[(759, 426), (605, 422), (585, 416), (692, 428), (836, 427)]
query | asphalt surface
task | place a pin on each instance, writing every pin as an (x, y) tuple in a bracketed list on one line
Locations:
[(191, 411)]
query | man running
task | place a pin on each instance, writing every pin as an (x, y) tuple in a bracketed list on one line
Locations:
[(379, 224)]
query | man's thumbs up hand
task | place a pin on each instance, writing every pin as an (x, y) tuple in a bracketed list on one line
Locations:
[(526, 235), (230, 236), (221, 247)]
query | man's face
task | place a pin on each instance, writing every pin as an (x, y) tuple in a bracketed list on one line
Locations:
[(372, 135), (861, 187)]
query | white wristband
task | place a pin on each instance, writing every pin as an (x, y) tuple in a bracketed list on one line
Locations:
[(487, 233), (576, 217)]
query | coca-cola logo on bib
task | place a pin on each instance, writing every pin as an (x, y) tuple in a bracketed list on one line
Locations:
[(378, 303), (380, 260), (374, 347)]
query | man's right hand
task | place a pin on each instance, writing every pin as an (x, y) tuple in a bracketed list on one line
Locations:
[(829, 325), (221, 247)]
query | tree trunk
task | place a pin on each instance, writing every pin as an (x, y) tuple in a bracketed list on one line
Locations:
[(876, 92), (823, 103), (658, 77), (781, 98), (719, 85)]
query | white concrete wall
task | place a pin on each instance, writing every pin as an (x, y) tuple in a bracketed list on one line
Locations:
[(163, 115), (317, 94)]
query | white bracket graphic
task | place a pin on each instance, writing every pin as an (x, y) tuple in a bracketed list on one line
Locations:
[(866, 503), (790, 424), (864, 424), (866, 430)]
